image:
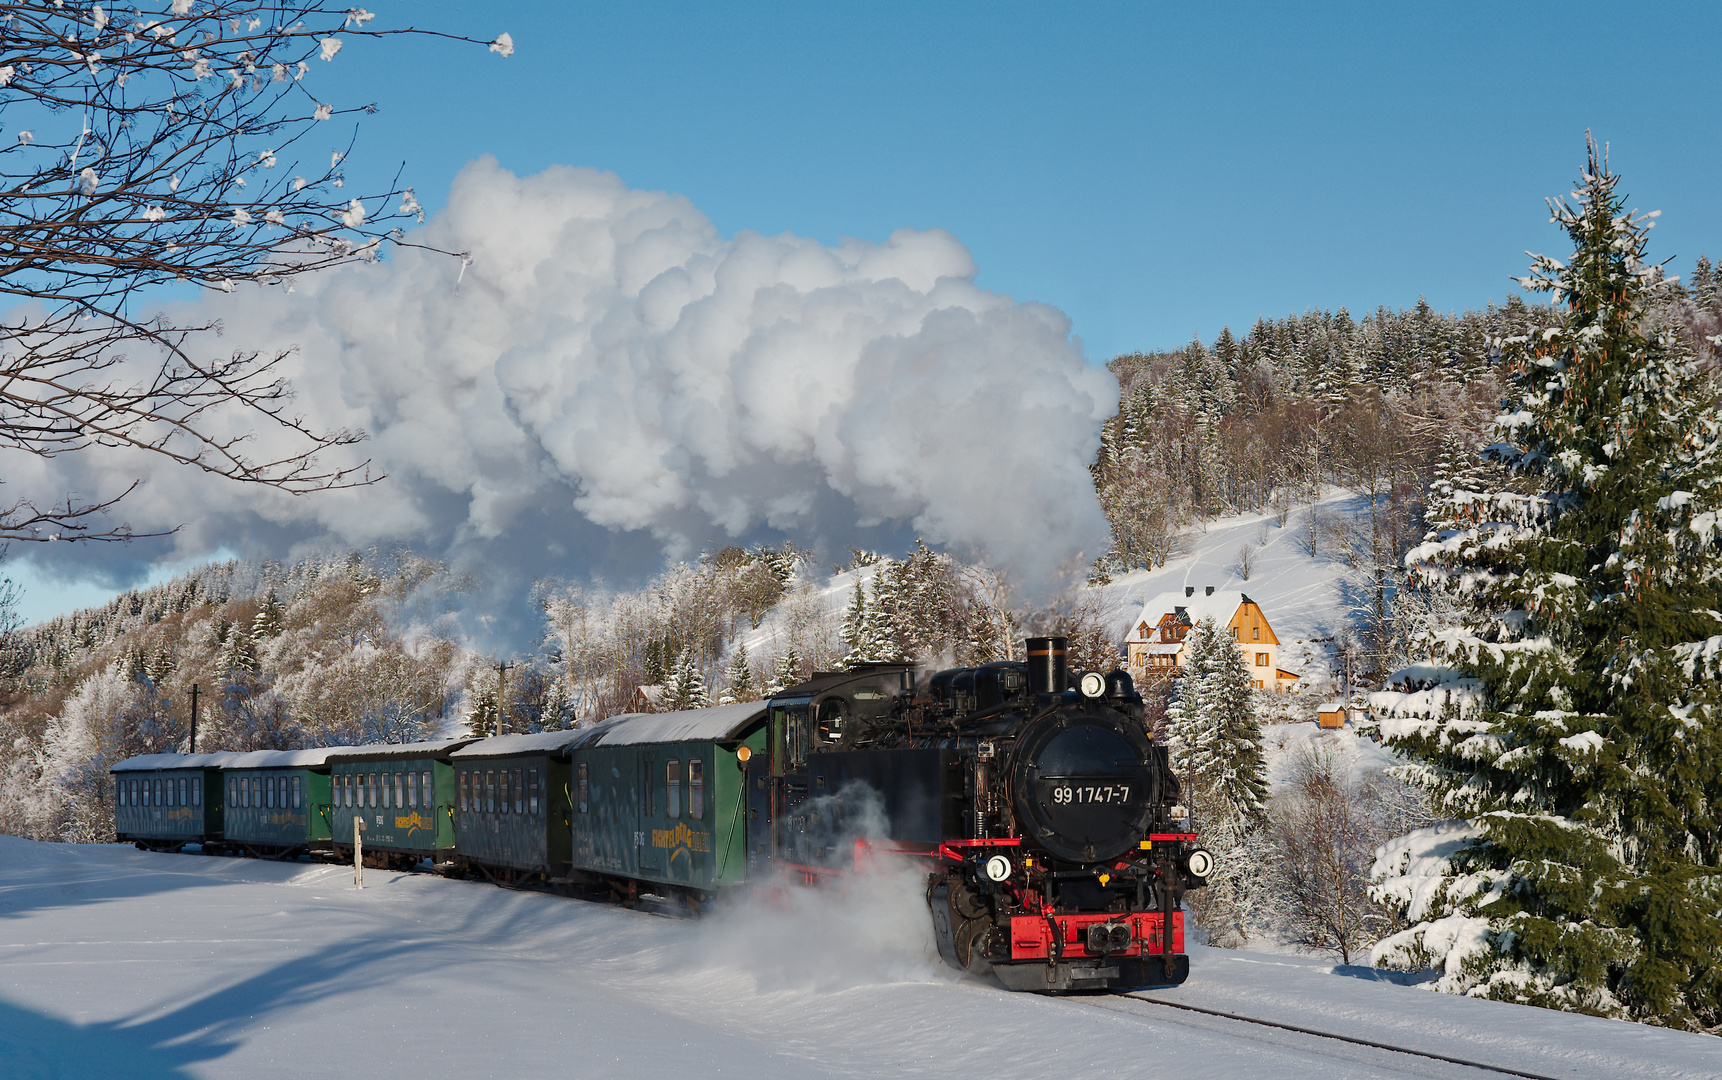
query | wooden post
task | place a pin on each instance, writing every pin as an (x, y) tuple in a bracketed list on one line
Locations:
[(358, 852), (194, 718)]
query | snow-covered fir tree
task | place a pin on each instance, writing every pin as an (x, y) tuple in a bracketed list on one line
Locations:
[(686, 686), (1217, 737), (267, 623), (1569, 722), (1216, 740), (739, 678), (786, 673)]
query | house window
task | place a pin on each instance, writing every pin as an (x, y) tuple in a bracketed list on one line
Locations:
[(696, 788), (1255, 633), (673, 789), (1234, 633), (583, 785), (1261, 659), (1143, 630)]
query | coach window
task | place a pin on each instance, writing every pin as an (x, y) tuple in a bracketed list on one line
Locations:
[(490, 791), (296, 803), (508, 792), (269, 792), (197, 790), (519, 794), (413, 790), (429, 789), (232, 791), (532, 792), (648, 805), (387, 778), (583, 785), (696, 788), (462, 782), (400, 789), (256, 791), (349, 786), (673, 789)]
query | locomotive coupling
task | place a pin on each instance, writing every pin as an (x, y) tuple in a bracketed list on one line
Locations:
[(1103, 939)]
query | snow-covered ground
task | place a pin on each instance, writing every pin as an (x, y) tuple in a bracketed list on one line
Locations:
[(116, 963)]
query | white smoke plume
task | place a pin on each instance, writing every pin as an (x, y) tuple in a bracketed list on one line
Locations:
[(610, 382)]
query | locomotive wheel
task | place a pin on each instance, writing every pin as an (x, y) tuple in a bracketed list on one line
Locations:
[(968, 901), (973, 936)]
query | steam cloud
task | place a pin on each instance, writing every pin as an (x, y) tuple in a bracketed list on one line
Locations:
[(611, 382)]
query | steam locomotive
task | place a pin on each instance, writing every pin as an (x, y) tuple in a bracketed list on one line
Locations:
[(1051, 822), (1048, 822)]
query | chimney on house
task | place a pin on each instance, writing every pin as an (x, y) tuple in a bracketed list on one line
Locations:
[(1210, 591), (1189, 590)]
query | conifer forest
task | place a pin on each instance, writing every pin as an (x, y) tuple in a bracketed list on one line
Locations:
[(1535, 632)]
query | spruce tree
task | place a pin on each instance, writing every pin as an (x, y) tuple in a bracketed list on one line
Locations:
[(267, 623), (1573, 728), (686, 688), (740, 677)]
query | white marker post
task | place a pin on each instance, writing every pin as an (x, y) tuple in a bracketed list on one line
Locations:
[(358, 852)]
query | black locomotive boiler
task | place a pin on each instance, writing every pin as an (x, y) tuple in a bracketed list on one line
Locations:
[(1050, 821)]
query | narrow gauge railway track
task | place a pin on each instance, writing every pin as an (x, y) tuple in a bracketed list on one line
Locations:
[(1116, 1004)]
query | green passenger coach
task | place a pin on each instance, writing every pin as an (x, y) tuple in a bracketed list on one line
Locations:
[(660, 799), (513, 804), (404, 796), (163, 802), (277, 802)]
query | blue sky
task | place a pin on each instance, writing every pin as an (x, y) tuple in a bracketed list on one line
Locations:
[(1155, 170)]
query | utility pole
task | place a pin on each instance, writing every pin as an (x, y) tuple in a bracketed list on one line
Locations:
[(194, 718), (501, 681)]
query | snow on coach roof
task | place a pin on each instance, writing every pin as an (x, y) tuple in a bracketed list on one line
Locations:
[(712, 724), (373, 751), (544, 742), (252, 759)]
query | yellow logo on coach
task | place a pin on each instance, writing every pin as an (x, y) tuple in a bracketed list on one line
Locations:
[(414, 821), (681, 839)]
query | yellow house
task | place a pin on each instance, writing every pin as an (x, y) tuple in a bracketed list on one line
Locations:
[(1156, 645)]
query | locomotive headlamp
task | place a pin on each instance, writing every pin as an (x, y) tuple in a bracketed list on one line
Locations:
[(743, 753), (1093, 685), (997, 868), (1199, 863)]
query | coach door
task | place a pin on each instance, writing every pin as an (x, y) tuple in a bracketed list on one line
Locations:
[(651, 812)]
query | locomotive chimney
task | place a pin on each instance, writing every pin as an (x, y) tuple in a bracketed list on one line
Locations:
[(1046, 673)]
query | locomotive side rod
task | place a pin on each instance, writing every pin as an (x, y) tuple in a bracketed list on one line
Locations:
[(1345, 1038)]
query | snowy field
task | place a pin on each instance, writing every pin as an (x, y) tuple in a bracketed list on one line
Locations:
[(126, 964)]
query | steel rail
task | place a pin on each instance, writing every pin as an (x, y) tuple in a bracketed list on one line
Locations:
[(1467, 1063)]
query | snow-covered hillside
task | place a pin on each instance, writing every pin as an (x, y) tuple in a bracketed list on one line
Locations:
[(119, 963), (1303, 596)]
